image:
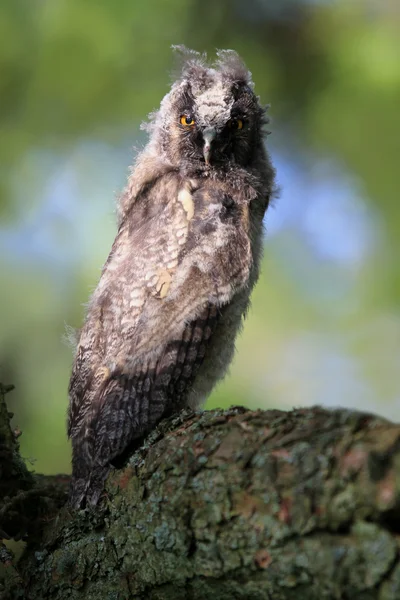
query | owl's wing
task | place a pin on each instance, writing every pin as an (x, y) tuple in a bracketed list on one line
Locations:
[(176, 260)]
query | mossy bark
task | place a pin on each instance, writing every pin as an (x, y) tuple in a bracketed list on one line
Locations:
[(26, 500), (14, 476), (236, 504)]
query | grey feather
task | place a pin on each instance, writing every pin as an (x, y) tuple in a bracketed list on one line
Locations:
[(161, 325)]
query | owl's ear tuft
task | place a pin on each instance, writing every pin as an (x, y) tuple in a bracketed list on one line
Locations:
[(189, 64), (233, 68)]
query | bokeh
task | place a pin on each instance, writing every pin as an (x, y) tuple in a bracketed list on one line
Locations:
[(76, 80)]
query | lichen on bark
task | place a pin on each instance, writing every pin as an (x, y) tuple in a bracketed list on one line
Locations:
[(236, 504)]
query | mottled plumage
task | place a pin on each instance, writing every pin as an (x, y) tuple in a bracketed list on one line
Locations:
[(161, 324)]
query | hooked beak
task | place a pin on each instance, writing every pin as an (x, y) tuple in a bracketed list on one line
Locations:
[(208, 137)]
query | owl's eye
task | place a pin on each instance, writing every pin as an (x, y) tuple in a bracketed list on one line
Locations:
[(187, 121), (235, 123)]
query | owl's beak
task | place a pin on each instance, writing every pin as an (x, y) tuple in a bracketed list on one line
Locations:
[(208, 137)]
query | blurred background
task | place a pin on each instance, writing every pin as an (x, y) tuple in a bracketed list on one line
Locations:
[(76, 80)]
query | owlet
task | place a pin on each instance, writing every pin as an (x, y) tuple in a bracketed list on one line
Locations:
[(161, 325)]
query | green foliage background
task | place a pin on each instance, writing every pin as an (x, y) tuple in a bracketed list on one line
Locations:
[(77, 78)]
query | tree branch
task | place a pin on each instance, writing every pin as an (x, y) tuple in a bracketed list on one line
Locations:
[(236, 504), (27, 500)]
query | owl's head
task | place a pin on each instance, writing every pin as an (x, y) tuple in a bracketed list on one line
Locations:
[(211, 118)]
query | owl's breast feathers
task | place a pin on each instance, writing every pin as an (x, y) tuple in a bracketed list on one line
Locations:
[(181, 254)]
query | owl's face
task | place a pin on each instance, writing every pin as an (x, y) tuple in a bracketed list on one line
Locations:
[(211, 118)]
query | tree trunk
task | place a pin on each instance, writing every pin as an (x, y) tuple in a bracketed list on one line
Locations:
[(235, 504)]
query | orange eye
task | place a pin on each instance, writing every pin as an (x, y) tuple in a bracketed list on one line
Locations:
[(236, 123), (187, 121)]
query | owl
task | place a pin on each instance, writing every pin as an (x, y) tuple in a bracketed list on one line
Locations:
[(161, 325)]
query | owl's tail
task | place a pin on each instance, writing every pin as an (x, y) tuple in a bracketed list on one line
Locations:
[(87, 482), (86, 488)]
